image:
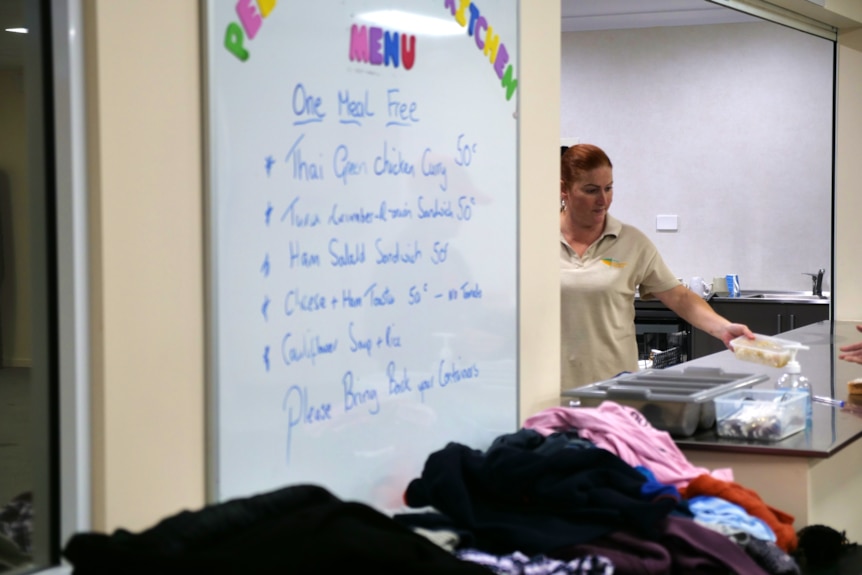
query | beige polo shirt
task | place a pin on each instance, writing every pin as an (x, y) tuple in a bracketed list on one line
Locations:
[(597, 294)]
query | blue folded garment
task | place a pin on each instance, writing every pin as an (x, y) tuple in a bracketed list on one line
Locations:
[(715, 510)]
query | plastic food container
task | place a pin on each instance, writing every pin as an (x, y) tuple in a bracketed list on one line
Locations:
[(761, 414), (679, 402), (764, 349)]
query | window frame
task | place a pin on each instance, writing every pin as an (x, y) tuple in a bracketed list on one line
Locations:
[(70, 471)]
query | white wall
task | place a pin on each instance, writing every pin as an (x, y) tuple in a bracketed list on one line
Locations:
[(538, 263), (146, 238), (848, 174), (727, 126)]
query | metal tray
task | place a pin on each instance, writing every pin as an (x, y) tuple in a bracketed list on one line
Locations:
[(677, 401)]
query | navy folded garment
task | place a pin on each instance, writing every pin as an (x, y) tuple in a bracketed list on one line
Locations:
[(514, 499)]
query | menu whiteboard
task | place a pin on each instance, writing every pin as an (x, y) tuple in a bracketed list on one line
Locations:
[(362, 239)]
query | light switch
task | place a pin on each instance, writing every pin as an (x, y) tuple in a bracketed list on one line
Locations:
[(666, 223), (569, 141)]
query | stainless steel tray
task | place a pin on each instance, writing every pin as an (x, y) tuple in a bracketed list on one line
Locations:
[(677, 401)]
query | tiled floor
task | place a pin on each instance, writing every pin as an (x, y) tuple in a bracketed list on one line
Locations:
[(15, 433)]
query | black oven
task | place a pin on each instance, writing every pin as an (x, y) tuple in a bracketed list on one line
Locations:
[(663, 337)]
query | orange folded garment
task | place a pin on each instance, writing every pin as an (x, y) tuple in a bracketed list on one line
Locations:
[(780, 522)]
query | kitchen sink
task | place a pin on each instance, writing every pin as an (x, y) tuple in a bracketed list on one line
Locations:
[(787, 296)]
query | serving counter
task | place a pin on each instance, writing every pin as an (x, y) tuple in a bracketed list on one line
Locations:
[(816, 474)]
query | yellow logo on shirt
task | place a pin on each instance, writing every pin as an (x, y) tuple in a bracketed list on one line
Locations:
[(614, 263)]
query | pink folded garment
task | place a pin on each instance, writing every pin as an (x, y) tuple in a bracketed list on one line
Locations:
[(625, 432)]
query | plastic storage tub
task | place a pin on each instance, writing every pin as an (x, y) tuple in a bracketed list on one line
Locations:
[(679, 402), (762, 414), (764, 349)]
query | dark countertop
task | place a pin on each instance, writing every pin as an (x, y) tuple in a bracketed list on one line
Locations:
[(748, 296), (751, 297), (831, 428)]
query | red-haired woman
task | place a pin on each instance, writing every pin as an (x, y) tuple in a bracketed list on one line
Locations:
[(602, 263)]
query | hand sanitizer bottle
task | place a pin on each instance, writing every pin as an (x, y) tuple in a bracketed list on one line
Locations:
[(793, 379)]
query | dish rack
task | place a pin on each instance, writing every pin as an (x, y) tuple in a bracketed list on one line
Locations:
[(673, 355), (665, 358)]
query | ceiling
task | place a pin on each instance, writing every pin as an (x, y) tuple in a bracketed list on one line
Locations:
[(580, 15), (577, 15)]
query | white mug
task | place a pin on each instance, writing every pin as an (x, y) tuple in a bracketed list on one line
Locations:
[(698, 286)]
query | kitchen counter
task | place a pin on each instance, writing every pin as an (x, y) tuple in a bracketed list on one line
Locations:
[(753, 296), (773, 296), (815, 475), (831, 429)]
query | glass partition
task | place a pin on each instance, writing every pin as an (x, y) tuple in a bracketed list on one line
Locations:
[(28, 310)]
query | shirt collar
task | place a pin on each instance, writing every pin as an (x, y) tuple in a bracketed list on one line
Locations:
[(613, 226)]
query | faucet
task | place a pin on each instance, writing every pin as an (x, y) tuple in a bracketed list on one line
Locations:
[(817, 282)]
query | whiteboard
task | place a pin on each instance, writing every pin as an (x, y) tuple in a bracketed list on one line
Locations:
[(362, 239)]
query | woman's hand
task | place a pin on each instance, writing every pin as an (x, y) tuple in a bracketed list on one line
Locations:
[(734, 330), (852, 352)]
